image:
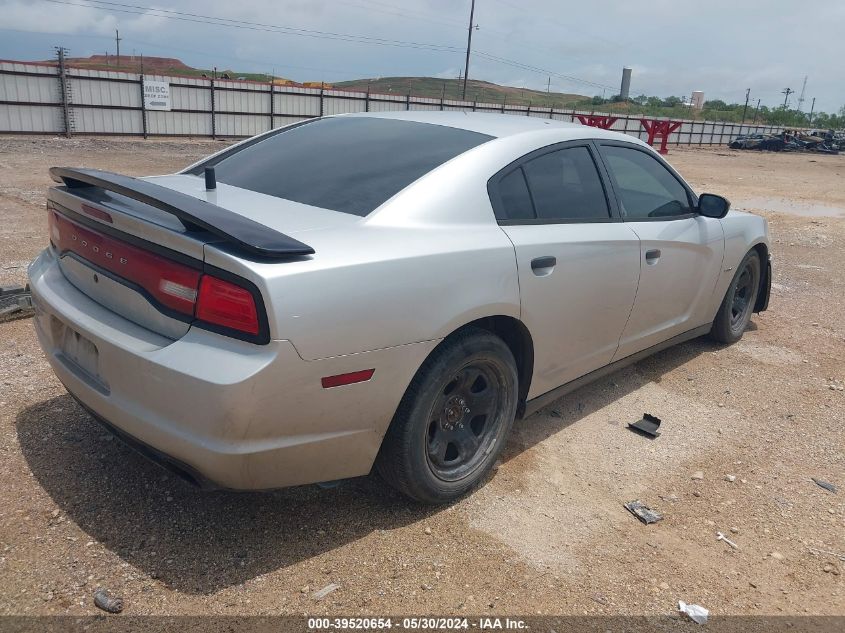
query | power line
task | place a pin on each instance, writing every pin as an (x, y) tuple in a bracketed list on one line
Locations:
[(134, 9), (253, 26)]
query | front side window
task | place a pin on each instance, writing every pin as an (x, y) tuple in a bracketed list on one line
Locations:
[(646, 188), (564, 185)]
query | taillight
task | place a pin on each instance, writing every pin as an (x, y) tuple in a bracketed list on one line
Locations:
[(224, 306), (228, 305), (168, 283)]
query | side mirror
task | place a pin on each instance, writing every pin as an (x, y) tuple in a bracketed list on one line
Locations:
[(712, 206)]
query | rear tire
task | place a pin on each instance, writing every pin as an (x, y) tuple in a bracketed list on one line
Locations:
[(738, 304), (453, 420)]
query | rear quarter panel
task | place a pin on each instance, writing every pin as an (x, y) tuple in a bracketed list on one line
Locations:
[(428, 261)]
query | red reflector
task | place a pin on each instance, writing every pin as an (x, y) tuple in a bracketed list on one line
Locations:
[(347, 379), (226, 304), (94, 212)]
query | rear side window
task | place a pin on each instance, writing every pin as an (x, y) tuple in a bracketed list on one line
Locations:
[(565, 185), (347, 164), (516, 201), (646, 188), (562, 185)]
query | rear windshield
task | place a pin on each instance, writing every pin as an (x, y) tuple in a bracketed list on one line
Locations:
[(348, 164)]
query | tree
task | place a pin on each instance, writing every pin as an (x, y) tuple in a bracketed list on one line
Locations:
[(671, 102)]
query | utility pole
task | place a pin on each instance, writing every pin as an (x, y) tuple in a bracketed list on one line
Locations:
[(787, 92), (469, 46), (549, 86), (745, 109), (801, 96), (756, 111), (812, 107), (117, 41)]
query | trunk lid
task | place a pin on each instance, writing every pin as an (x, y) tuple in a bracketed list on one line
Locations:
[(137, 246)]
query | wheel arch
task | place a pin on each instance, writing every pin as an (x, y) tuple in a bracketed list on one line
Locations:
[(762, 302), (518, 338)]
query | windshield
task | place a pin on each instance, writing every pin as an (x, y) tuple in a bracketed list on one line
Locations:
[(347, 164)]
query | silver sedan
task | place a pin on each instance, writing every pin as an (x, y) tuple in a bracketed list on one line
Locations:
[(378, 289)]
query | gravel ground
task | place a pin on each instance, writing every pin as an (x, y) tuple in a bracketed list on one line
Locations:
[(745, 428)]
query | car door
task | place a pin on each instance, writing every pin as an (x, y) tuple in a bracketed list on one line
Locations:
[(680, 251), (578, 264)]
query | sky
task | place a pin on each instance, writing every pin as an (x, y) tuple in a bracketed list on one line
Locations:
[(673, 46)]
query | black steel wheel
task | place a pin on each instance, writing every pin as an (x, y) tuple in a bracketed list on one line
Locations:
[(464, 418), (738, 304), (453, 420)]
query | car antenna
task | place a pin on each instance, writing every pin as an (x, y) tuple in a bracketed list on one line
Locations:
[(210, 179)]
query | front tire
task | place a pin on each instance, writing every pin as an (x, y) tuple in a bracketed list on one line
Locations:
[(453, 420), (738, 304)]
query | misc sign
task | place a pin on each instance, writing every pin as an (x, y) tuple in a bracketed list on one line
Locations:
[(157, 95)]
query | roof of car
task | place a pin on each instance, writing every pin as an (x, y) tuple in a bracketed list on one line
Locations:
[(492, 124)]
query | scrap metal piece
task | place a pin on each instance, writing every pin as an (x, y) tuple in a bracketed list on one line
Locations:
[(105, 602), (643, 512), (722, 537), (14, 300), (647, 425), (824, 484)]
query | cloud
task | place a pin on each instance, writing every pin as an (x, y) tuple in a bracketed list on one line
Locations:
[(674, 46)]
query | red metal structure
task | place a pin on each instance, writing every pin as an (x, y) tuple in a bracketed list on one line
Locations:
[(661, 130), (597, 120)]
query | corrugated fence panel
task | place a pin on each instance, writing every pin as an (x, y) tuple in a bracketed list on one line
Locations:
[(249, 100), (97, 92), (26, 118), (110, 102), (107, 121), (297, 104), (190, 98), (29, 89), (179, 123), (241, 125), (339, 105)]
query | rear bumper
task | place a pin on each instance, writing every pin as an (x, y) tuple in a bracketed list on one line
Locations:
[(229, 413)]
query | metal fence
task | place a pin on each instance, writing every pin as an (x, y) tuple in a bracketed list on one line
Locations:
[(40, 98)]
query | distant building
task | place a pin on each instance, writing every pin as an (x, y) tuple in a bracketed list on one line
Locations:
[(625, 89), (697, 99)]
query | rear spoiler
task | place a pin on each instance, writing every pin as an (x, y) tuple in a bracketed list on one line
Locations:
[(235, 229)]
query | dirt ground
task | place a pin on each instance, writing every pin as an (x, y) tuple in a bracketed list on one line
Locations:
[(547, 534)]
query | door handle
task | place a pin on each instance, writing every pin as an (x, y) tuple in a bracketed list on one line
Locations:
[(543, 265), (652, 255)]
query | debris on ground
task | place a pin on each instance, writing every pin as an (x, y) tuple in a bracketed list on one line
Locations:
[(15, 301), (698, 475), (827, 553), (722, 537), (824, 484), (648, 425), (643, 512), (105, 602), (823, 142), (322, 593), (694, 612), (731, 478)]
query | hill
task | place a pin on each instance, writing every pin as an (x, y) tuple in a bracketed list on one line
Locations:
[(483, 91), (432, 87), (153, 66)]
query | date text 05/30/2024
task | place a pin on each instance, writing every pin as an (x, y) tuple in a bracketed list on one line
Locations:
[(418, 624)]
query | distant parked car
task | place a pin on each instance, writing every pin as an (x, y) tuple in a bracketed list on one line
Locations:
[(388, 289)]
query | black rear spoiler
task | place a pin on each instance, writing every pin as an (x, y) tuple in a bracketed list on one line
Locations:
[(235, 229)]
